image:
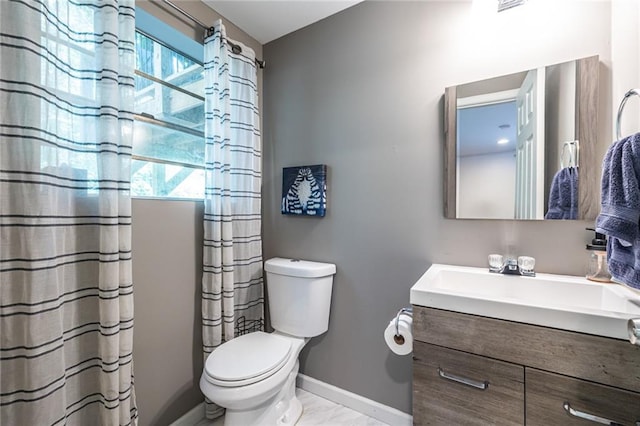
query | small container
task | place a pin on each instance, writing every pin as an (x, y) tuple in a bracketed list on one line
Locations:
[(597, 269)]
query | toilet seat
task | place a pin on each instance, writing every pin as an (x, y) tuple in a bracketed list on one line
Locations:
[(247, 359)]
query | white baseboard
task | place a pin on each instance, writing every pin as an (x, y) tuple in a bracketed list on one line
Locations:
[(356, 402), (192, 417), (340, 396)]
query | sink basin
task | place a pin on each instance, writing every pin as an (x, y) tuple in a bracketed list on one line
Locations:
[(558, 301)]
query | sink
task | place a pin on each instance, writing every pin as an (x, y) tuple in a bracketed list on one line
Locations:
[(558, 301)]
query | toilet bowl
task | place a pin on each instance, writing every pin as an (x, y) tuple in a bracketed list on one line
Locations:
[(253, 376), (258, 388)]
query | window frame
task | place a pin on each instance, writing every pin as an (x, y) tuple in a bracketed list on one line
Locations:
[(168, 37)]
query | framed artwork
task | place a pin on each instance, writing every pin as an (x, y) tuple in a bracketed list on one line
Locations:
[(304, 190)]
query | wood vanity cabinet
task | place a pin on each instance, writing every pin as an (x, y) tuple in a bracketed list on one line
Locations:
[(473, 370)]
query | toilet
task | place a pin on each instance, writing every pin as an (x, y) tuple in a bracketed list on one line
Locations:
[(254, 375)]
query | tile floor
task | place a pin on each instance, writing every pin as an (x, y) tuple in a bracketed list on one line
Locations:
[(318, 411)]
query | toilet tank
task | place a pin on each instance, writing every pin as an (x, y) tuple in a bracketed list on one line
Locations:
[(299, 293)]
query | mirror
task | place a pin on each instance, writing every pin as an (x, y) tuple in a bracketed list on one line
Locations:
[(521, 146)]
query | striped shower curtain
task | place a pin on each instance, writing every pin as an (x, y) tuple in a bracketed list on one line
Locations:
[(66, 301), (232, 293)]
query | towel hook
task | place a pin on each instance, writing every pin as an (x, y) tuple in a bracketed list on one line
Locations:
[(572, 148), (622, 104)]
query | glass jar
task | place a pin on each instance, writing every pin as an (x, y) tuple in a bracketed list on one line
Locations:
[(598, 270)]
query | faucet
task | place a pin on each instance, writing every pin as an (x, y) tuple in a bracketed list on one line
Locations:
[(523, 265)]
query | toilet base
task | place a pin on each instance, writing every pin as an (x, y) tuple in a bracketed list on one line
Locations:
[(283, 409), (293, 414)]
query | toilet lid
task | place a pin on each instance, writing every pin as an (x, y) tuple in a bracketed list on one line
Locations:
[(247, 359)]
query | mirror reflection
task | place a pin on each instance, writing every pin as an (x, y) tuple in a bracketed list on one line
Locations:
[(517, 146)]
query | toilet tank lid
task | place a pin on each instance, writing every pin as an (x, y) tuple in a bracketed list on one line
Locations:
[(299, 268)]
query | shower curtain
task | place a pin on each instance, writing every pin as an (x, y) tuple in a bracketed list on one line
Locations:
[(232, 293), (66, 302)]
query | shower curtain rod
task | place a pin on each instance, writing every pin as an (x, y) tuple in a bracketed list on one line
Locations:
[(234, 47)]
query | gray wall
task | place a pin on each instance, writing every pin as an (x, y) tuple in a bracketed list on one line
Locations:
[(167, 265), (362, 92)]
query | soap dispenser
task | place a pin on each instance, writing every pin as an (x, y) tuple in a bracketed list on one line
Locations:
[(598, 270)]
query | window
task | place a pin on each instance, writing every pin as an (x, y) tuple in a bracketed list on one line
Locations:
[(168, 135), (64, 101)]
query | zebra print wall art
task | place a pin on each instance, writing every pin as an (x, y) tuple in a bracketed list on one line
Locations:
[(304, 190)]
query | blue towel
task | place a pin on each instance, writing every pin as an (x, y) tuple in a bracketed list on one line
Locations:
[(620, 213), (563, 196)]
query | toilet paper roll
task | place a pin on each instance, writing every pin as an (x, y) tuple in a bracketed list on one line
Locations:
[(403, 343)]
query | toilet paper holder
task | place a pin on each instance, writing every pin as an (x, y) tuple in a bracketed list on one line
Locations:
[(398, 338)]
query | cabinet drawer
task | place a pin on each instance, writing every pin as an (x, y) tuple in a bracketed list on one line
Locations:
[(547, 394), (439, 400)]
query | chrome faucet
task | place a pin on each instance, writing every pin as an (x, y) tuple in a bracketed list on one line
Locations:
[(523, 265)]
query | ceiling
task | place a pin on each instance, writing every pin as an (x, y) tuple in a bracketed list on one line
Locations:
[(267, 20), (480, 128)]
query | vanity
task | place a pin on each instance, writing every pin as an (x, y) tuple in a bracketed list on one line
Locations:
[(510, 350)]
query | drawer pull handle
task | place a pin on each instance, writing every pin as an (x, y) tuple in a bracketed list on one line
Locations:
[(464, 380), (586, 416)]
